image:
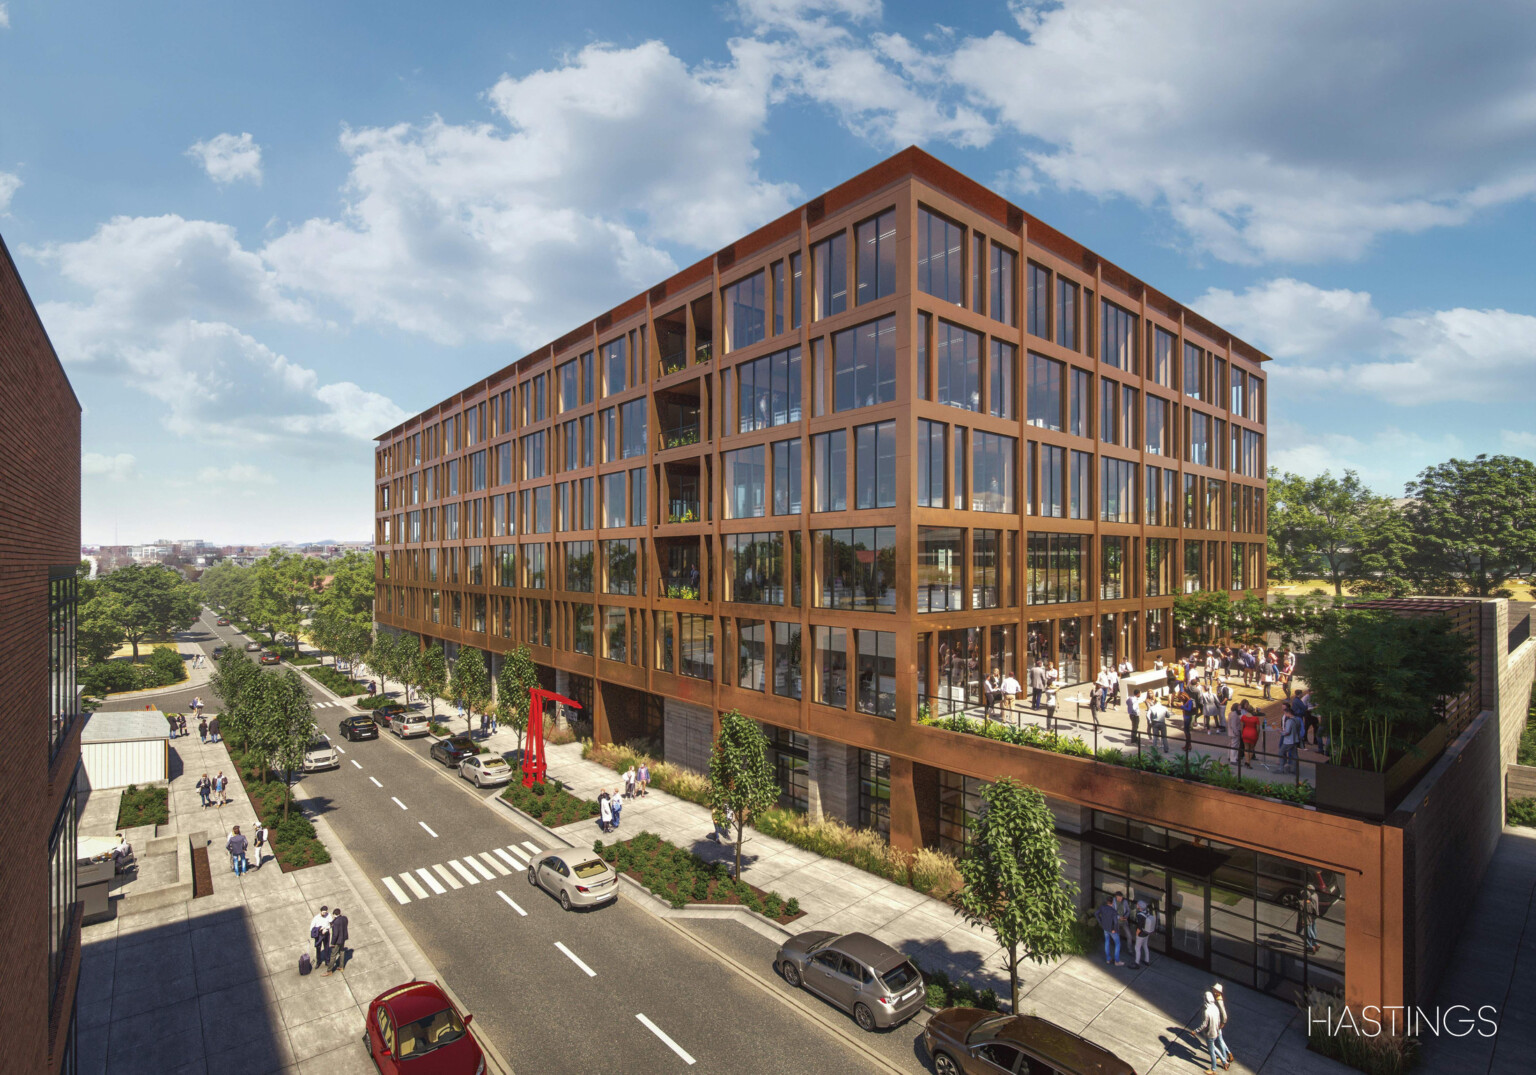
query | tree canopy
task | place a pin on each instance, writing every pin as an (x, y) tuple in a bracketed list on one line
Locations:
[(517, 677), (1474, 524), (471, 681), (147, 601), (741, 777)]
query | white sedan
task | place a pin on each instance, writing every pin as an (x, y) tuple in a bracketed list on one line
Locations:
[(485, 770)]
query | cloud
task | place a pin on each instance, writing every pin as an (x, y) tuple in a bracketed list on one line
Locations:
[(1342, 342), (229, 158), (9, 185), (518, 228), (1518, 442), (5, 18), (1383, 458), (166, 299), (117, 467), (235, 474)]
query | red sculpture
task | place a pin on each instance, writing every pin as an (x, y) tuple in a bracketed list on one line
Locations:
[(533, 758)]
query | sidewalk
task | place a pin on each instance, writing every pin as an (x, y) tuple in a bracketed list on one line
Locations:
[(212, 984)]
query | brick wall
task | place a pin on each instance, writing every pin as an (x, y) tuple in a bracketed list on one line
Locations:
[(40, 492)]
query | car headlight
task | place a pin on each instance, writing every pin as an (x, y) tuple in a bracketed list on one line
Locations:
[(480, 1068)]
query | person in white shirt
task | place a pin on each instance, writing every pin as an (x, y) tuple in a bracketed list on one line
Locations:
[(1011, 690), (320, 933), (1157, 724)]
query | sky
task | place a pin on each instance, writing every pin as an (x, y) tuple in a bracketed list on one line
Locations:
[(259, 235)]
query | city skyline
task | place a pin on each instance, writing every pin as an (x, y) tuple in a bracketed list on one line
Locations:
[(248, 292)]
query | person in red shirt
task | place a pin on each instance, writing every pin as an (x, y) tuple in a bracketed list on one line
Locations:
[(1250, 721)]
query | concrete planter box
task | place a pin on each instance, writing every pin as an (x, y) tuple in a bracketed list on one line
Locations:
[(1375, 795)]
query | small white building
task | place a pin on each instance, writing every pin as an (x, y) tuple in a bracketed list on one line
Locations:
[(118, 749)]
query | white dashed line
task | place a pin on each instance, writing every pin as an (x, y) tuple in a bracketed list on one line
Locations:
[(432, 882), (511, 903), (375, 781), (398, 803), (670, 1044), (574, 958), (339, 750), (458, 868), (481, 870), (395, 890), (354, 762), (453, 882), (498, 867), (414, 885), (430, 833)]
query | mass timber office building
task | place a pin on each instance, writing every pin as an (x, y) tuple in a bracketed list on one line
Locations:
[(837, 472)]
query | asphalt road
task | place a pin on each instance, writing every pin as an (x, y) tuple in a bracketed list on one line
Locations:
[(522, 964)]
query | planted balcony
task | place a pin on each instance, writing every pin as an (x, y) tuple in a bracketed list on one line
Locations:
[(685, 501), (681, 569)]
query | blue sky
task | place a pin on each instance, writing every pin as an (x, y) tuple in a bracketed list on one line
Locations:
[(260, 235)]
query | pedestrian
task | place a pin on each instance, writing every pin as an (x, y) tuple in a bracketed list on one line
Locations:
[(1224, 1052), (1307, 909), (1235, 732), (1290, 736), (213, 728), (1210, 1026), (493, 722), (723, 827), (1250, 732), (1050, 706), (202, 729), (615, 807), (644, 777), (1157, 724), (1106, 919), (236, 846), (1267, 676), (223, 782), (372, 688), (204, 788), (1133, 708), (1011, 689), (182, 722), (1123, 911), (991, 694), (320, 933), (1145, 921), (1210, 709), (338, 940), (1037, 682), (263, 837), (1223, 700), (629, 782), (604, 812), (1186, 703)]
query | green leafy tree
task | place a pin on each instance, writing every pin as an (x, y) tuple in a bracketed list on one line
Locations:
[(1319, 524), (1380, 681), (352, 640), (283, 591), (1387, 546), (1202, 617), (392, 656), (471, 683), (233, 681), (153, 601), (429, 674), (741, 778), (99, 626), (517, 677), (348, 592), (1013, 882), (284, 723), (1475, 524)]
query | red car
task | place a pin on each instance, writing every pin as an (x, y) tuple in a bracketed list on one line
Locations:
[(222, 622), (415, 1028)]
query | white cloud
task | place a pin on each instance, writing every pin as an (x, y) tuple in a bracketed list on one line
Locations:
[(117, 467), (235, 474), (1384, 456), (1342, 342), (5, 18), (1518, 442), (518, 229), (229, 158), (165, 297), (9, 185)]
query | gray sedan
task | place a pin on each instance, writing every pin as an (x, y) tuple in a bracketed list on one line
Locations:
[(859, 974), (579, 878)]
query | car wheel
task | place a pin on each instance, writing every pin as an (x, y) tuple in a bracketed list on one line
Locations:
[(533, 876), (864, 1017), (945, 1064), (792, 975), (565, 900)]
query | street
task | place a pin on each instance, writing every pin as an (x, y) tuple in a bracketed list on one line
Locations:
[(613, 988)]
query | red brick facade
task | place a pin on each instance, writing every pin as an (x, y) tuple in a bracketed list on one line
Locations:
[(40, 483)]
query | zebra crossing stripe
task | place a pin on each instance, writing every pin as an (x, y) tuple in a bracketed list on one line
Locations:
[(414, 885), (395, 890), (498, 867), (462, 872), (531, 846), (432, 882), (481, 870), (509, 860), (453, 882), (518, 856)]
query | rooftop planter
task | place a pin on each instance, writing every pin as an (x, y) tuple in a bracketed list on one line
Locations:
[(1373, 794)]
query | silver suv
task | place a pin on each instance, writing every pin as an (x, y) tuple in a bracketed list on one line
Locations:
[(859, 974)]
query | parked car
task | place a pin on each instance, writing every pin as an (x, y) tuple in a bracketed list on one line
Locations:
[(408, 724), (485, 771), (269, 657), (385, 713), (415, 1028), (319, 754), (222, 622), (969, 1041), (577, 878), (253, 647), (219, 651), (453, 750), (355, 728), (856, 972)]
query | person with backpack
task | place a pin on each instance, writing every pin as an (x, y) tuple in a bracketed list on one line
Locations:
[(263, 838), (204, 789), (236, 845), (1290, 736), (1144, 920), (1210, 1027)]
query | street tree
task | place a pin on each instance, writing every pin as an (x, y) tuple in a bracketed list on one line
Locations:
[(429, 675), (154, 601), (286, 724), (284, 589), (1474, 523), (234, 682), (517, 677), (349, 587), (1013, 880), (99, 626), (471, 683), (351, 640), (741, 777)]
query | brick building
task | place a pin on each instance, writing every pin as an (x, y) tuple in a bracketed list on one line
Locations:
[(39, 552)]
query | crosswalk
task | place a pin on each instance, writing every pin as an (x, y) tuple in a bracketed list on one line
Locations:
[(441, 878), (327, 705)]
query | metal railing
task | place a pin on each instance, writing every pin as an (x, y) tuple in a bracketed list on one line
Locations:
[(684, 587), (684, 511), (680, 436)]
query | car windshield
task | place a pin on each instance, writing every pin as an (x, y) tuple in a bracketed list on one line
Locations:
[(898, 978), (987, 1027), (493, 763), (590, 869), (318, 744), (430, 1033)]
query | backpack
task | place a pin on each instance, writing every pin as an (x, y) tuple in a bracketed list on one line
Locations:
[(1141, 924)]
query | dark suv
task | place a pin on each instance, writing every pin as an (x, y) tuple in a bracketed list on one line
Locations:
[(453, 750), (969, 1041)]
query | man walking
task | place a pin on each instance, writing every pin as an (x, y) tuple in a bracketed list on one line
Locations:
[(236, 846), (1145, 921), (1223, 1052), (1210, 1027), (221, 782), (320, 933), (1105, 916), (338, 941), (1157, 724), (1011, 691), (204, 788), (1037, 682), (263, 837), (213, 728), (202, 730)]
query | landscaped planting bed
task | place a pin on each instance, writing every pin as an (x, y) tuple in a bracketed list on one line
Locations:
[(293, 840), (681, 877), (334, 681), (142, 806), (550, 803)]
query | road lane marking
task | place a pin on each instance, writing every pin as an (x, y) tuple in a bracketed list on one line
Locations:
[(511, 903), (458, 867), (354, 762), (414, 885), (395, 890), (430, 833), (398, 803), (531, 846), (498, 867), (479, 868), (453, 882), (338, 749), (432, 882), (574, 958), (518, 856), (662, 1034), (375, 781), (509, 860)]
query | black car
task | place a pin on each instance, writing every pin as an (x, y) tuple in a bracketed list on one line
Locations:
[(218, 651), (454, 749), (355, 728), (383, 714)]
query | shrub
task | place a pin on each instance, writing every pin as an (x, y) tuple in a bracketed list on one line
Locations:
[(109, 677), (334, 681), (550, 803), (1522, 812), (943, 992), (440, 730), (373, 702), (142, 806), (681, 877), (1333, 1035), (559, 736), (164, 666)]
